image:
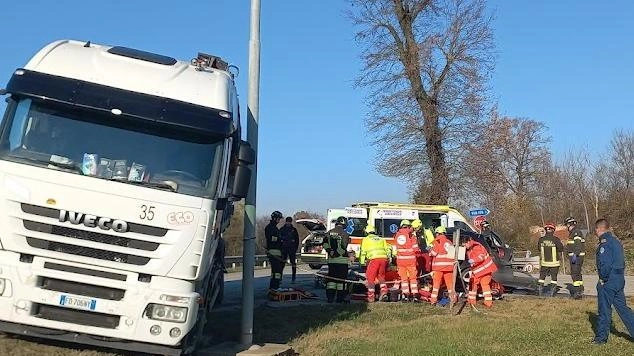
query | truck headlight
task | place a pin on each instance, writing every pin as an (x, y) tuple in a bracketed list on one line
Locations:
[(166, 313)]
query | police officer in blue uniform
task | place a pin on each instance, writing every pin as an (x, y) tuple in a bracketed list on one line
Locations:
[(611, 267)]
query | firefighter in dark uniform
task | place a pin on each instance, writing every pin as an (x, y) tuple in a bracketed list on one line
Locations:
[(336, 245), (549, 247), (290, 244), (274, 249), (576, 254), (611, 268)]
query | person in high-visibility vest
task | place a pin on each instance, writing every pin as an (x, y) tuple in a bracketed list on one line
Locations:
[(406, 252), (549, 247), (482, 269), (576, 253), (377, 252), (336, 245), (442, 265)]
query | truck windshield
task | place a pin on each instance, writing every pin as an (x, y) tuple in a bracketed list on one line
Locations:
[(110, 147)]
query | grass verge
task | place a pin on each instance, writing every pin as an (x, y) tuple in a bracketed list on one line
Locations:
[(515, 326)]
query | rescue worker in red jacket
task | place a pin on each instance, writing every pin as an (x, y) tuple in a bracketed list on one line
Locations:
[(406, 252), (482, 269), (442, 265), (377, 252)]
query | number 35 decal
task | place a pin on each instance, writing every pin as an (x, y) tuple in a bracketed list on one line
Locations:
[(147, 212)]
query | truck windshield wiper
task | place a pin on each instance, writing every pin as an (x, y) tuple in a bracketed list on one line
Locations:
[(67, 166), (159, 185)]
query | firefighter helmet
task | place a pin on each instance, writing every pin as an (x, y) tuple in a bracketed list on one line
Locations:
[(549, 226), (441, 230), (342, 220), (276, 215), (405, 223), (416, 224), (485, 224), (570, 221)]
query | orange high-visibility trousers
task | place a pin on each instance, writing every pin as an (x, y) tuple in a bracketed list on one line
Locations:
[(485, 283), (409, 279), (437, 279)]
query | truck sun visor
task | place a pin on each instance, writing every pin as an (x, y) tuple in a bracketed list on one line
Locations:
[(142, 55), (144, 107)]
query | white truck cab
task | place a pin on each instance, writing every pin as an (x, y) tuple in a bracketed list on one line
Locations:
[(118, 168)]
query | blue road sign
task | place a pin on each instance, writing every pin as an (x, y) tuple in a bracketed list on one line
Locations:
[(393, 228), (478, 212)]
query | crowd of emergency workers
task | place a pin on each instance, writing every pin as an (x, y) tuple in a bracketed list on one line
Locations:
[(420, 250)]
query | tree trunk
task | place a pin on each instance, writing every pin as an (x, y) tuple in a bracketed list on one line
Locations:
[(439, 190), (585, 208)]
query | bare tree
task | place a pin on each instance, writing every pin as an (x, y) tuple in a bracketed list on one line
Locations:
[(427, 63), (509, 157), (578, 169), (508, 166)]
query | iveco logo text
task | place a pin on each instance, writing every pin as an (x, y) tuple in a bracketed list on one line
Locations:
[(93, 221)]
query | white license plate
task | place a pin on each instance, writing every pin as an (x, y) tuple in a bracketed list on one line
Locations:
[(77, 302)]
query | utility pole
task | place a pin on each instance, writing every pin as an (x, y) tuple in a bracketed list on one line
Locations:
[(253, 107)]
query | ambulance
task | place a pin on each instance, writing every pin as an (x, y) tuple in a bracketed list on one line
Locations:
[(386, 217)]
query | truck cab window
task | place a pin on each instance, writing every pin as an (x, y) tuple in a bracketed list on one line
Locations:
[(110, 147)]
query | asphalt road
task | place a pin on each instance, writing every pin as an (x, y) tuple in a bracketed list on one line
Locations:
[(306, 278), (590, 283), (233, 285)]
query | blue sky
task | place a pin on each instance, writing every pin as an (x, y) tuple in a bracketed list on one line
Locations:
[(568, 63)]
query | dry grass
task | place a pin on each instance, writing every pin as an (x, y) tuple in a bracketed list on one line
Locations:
[(518, 325), (513, 327)]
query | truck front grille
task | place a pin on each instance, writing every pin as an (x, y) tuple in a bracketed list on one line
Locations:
[(80, 317), (133, 246), (87, 252), (87, 290), (90, 236)]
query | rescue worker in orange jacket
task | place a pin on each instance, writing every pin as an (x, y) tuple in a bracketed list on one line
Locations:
[(377, 252), (406, 252), (482, 269), (442, 265)]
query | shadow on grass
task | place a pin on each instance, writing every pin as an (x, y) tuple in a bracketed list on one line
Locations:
[(69, 346), (593, 318), (281, 324)]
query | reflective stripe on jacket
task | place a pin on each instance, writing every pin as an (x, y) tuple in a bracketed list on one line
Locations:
[(442, 252), (482, 262), (406, 245), (373, 247)]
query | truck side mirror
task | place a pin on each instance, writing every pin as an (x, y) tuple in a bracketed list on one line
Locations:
[(246, 154), (246, 157)]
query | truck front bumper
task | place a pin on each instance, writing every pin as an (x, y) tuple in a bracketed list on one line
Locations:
[(108, 306)]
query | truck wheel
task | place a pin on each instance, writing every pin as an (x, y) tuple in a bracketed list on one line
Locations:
[(314, 265)]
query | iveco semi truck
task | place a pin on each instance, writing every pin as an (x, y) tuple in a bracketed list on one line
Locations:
[(118, 171)]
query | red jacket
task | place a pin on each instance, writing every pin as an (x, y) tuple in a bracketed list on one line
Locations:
[(482, 262), (406, 247), (442, 252)]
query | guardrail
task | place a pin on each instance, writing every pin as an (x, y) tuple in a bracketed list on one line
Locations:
[(232, 262)]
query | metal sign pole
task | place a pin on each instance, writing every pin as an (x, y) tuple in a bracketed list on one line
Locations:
[(456, 273), (253, 107)]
